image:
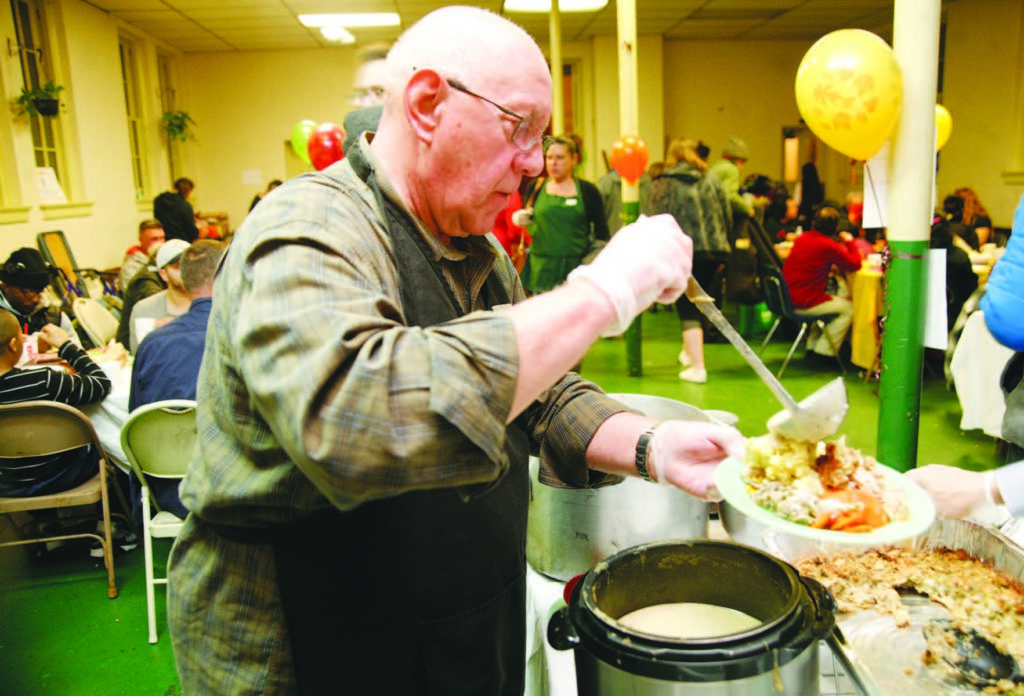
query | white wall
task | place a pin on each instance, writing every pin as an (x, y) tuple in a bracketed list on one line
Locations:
[(245, 105), (93, 118), (984, 92)]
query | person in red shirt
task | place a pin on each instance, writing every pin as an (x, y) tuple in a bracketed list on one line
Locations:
[(508, 232), (807, 270)]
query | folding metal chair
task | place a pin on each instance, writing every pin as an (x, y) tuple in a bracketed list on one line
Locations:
[(157, 439), (35, 428), (777, 297)]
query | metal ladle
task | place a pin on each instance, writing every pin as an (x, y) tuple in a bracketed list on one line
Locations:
[(815, 418)]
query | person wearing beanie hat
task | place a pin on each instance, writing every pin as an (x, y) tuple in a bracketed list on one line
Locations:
[(24, 277), (727, 169), (736, 150)]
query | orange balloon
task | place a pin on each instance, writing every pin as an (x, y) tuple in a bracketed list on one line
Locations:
[(629, 157)]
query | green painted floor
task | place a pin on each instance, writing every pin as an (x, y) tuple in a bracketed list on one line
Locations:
[(61, 635)]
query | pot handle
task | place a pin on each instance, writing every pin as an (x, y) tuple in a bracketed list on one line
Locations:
[(825, 607), (825, 626), (561, 634)]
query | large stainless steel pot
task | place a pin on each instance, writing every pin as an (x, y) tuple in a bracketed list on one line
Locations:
[(780, 656), (569, 530)]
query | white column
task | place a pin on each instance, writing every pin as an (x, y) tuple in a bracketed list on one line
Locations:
[(557, 81)]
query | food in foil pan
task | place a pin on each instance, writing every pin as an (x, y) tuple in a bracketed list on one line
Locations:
[(825, 485), (976, 594)]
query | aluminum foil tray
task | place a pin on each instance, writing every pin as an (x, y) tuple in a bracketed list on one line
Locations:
[(890, 657)]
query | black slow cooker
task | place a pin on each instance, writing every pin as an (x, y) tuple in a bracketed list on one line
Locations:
[(780, 655)]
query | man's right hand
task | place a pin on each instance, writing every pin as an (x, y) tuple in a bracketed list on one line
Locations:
[(647, 261), (54, 336)]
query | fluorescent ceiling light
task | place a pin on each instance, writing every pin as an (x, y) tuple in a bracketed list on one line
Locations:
[(351, 19), (338, 34), (545, 5)]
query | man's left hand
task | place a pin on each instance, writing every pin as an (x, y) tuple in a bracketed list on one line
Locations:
[(685, 454)]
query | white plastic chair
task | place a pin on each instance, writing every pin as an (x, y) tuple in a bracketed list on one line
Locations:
[(157, 440), (99, 323)]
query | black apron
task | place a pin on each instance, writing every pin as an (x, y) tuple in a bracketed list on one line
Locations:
[(421, 593)]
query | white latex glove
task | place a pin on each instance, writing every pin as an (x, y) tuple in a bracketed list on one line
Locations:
[(956, 492), (685, 454), (649, 260), (522, 217)]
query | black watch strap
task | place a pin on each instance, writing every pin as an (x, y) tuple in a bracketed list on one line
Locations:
[(643, 452)]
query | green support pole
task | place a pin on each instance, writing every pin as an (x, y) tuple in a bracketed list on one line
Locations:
[(634, 351), (902, 355)]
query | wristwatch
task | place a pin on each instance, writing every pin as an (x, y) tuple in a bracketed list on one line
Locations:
[(643, 452)]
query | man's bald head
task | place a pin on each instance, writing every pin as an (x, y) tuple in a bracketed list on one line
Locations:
[(467, 92), (9, 327), (468, 42)]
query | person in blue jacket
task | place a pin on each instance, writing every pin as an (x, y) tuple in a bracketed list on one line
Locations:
[(957, 492)]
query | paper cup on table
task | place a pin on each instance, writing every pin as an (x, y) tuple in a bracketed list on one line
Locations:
[(29, 349)]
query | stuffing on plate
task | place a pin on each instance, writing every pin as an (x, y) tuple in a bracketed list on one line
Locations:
[(826, 485)]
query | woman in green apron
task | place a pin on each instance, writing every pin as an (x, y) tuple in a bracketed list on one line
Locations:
[(567, 218)]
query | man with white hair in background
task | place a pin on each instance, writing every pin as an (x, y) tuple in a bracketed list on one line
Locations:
[(373, 382)]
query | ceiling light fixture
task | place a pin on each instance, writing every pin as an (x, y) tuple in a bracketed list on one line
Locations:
[(351, 20), (338, 34), (563, 5)]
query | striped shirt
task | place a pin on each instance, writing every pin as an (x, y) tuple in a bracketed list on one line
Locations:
[(88, 386)]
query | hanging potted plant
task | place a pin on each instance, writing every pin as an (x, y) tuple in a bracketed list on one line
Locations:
[(178, 126), (40, 101)]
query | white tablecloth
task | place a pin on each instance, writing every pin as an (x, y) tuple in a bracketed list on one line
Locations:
[(977, 365), (109, 415), (549, 672)]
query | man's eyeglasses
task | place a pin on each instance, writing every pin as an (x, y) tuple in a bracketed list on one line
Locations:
[(525, 135)]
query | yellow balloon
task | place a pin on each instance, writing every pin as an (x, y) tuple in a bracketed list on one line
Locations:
[(943, 126), (849, 91)]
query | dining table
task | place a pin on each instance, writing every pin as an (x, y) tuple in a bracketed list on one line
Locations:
[(866, 293), (977, 365), (110, 415)]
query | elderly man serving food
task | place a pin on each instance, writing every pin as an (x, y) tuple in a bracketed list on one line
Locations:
[(373, 382)]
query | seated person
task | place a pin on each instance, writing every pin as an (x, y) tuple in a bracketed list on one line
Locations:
[(151, 233), (964, 235), (159, 308), (24, 278), (167, 361), (807, 270), (145, 283), (961, 280), (88, 384)]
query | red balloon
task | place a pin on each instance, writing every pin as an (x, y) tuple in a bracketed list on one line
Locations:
[(629, 157), (325, 145)]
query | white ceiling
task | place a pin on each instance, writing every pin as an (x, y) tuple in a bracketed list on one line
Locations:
[(258, 25)]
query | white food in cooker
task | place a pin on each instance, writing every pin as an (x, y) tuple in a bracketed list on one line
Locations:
[(688, 620)]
